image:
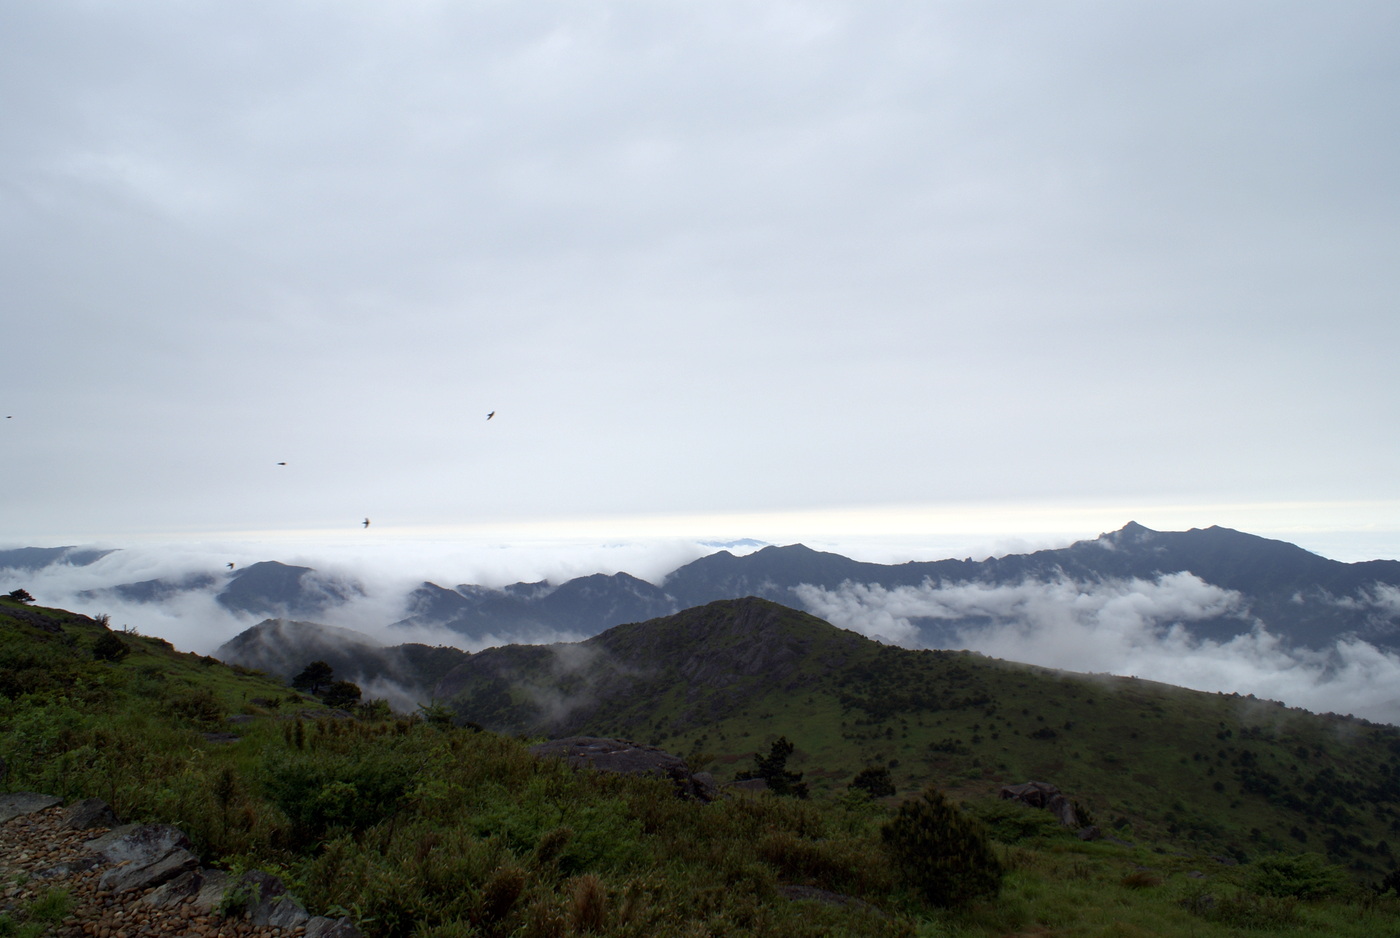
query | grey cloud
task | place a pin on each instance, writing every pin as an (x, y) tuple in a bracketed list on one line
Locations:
[(902, 247)]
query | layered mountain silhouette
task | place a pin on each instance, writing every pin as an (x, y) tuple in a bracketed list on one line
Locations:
[(36, 558), (1306, 600), (268, 588)]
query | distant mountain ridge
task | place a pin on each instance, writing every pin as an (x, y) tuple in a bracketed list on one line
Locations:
[(1304, 599), (36, 558), (267, 588)]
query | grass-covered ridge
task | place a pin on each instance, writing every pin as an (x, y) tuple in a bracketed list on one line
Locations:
[(1216, 773), (419, 828)]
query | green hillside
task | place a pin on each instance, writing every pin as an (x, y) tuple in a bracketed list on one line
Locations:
[(1207, 772), (415, 827)]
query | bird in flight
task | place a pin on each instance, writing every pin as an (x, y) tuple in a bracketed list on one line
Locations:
[(281, 464), (366, 522), (230, 566), (490, 415)]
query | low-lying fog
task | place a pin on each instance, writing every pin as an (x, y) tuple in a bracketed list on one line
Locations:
[(1118, 627)]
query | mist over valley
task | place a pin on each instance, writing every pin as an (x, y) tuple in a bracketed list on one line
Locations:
[(1211, 609)]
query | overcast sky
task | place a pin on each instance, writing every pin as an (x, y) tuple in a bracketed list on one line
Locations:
[(710, 263)]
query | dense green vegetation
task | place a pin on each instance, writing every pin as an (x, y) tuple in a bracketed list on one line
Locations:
[(416, 827), (1217, 774)]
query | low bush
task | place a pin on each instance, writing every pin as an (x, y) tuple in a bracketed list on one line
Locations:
[(940, 852), (319, 791), (1298, 876)]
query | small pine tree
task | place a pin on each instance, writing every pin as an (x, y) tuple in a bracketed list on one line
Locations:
[(940, 852), (20, 596), (772, 768), (313, 677)]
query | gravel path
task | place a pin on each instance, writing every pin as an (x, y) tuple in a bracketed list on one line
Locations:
[(38, 854)]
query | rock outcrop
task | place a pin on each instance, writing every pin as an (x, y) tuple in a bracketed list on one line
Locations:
[(1047, 796), (151, 867)]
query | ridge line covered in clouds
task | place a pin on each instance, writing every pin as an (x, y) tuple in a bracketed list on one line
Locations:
[(1127, 627)]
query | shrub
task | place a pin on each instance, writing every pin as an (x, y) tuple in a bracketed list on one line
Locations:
[(499, 894), (200, 706), (940, 852), (588, 909), (436, 714), (1012, 822), (875, 781), (109, 648), (20, 596), (341, 695), (319, 792), (376, 709), (1299, 876)]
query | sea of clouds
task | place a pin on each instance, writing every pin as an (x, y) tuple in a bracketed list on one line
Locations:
[(1130, 627), (1125, 627)]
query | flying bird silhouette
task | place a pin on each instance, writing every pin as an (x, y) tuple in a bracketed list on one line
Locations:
[(490, 415), (230, 566), (281, 464), (366, 522)]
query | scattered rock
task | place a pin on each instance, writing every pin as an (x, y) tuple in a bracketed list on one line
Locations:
[(1044, 795), (129, 876), (187, 887), (629, 758), (137, 881), (89, 813), (146, 855), (21, 803), (268, 901), (139, 843)]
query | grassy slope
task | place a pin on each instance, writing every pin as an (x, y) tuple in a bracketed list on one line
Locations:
[(1208, 772), (423, 830)]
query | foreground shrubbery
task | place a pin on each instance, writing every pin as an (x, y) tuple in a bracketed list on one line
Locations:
[(940, 852)]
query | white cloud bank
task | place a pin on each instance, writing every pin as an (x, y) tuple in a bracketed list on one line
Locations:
[(1128, 627), (386, 572)]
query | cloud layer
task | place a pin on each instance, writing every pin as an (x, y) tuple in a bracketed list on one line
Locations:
[(1126, 627), (871, 252)]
